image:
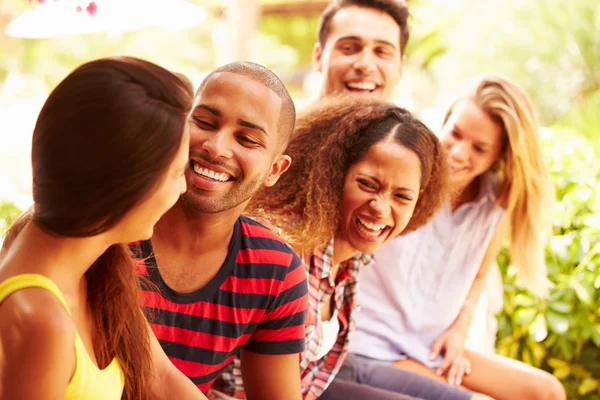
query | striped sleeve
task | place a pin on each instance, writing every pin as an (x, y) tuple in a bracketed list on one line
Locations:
[(282, 330)]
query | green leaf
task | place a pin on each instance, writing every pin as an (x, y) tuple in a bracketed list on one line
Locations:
[(562, 372), (538, 351), (558, 323), (596, 335), (524, 300), (526, 356), (538, 330), (557, 363), (587, 386), (566, 348), (561, 306), (524, 316), (581, 292)]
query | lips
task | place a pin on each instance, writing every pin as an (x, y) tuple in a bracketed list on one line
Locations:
[(456, 168), (361, 86), (210, 173), (371, 231)]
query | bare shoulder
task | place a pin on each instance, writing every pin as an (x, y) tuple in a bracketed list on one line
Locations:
[(34, 311), (37, 339)]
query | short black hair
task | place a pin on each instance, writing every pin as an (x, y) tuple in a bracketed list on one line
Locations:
[(397, 9), (263, 75)]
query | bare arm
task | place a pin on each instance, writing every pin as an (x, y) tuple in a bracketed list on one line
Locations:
[(168, 382), (37, 346), (269, 377), (452, 341), (463, 320)]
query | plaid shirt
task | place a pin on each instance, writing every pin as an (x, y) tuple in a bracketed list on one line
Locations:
[(316, 374)]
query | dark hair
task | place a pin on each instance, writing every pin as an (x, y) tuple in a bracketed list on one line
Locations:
[(103, 139), (330, 137), (263, 75), (396, 9)]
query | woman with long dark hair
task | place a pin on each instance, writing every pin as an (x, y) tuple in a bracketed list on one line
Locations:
[(109, 150)]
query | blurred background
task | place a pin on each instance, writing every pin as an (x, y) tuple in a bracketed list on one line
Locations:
[(552, 48)]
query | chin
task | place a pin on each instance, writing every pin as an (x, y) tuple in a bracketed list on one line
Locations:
[(147, 234)]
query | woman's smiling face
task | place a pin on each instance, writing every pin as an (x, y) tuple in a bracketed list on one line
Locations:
[(379, 197)]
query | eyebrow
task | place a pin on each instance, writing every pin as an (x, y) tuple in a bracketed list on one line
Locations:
[(461, 131), (210, 109), (359, 39), (251, 125), (241, 122), (396, 188)]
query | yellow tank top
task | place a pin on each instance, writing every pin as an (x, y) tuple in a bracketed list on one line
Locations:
[(88, 381)]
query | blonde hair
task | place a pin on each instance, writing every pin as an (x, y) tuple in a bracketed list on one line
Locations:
[(526, 189)]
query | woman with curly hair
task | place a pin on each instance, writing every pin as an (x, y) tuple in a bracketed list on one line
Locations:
[(420, 294), (363, 172)]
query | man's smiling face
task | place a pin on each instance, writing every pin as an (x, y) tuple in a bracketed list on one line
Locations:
[(362, 54)]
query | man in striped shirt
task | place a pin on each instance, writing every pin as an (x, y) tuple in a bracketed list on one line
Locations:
[(220, 284)]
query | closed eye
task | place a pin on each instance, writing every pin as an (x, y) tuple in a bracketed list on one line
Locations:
[(385, 53), (349, 48), (403, 197), (246, 141), (366, 184), (203, 124)]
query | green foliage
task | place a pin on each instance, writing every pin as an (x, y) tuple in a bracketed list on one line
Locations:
[(561, 334), (8, 213)]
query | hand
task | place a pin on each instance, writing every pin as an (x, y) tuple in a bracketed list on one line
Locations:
[(455, 364)]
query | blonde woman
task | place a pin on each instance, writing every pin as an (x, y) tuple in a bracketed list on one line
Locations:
[(418, 300)]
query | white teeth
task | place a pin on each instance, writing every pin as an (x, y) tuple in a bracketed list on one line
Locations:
[(362, 85), (209, 173), (374, 227)]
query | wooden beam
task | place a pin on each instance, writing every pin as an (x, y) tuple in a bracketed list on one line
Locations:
[(307, 7)]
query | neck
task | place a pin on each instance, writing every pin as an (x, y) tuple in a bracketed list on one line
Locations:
[(465, 194), (65, 260), (187, 229), (342, 251)]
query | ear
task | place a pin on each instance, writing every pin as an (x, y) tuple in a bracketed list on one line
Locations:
[(280, 165), (402, 64), (317, 54)]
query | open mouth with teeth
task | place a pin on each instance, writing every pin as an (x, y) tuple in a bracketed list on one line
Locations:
[(209, 173), (370, 230), (361, 87), (456, 169)]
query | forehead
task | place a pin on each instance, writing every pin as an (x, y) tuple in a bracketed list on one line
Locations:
[(237, 96), (392, 163), (366, 23), (476, 123)]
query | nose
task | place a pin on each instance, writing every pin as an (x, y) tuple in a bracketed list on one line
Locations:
[(380, 206), (365, 61), (218, 144), (459, 151)]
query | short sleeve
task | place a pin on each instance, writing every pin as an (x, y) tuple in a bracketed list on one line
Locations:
[(282, 330)]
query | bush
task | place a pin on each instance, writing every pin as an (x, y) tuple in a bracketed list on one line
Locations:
[(8, 213), (561, 334)]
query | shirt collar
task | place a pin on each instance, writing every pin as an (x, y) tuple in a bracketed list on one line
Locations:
[(352, 265)]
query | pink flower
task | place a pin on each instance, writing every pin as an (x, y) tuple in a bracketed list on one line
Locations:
[(92, 8)]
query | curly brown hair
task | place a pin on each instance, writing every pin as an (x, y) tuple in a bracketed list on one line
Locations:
[(330, 137)]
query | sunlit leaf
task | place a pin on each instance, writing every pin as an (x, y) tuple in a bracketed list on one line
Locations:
[(562, 372), (538, 330), (524, 316), (559, 323), (587, 386)]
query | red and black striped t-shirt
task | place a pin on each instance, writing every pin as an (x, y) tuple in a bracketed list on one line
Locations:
[(257, 302)]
